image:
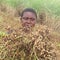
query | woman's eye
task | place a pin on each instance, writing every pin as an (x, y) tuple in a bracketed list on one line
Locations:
[(25, 18), (32, 19)]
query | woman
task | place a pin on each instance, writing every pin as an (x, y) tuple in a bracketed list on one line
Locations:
[(31, 41)]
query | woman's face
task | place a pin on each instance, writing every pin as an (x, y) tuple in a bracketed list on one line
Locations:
[(28, 19)]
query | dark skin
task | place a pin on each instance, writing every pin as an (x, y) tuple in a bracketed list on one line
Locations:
[(28, 19)]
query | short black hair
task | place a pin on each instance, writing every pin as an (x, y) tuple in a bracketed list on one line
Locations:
[(29, 10)]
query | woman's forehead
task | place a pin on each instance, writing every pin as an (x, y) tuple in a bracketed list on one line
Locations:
[(28, 14)]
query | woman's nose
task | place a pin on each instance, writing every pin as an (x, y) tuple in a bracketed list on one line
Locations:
[(29, 21)]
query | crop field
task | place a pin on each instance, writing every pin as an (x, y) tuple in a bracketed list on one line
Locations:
[(15, 45)]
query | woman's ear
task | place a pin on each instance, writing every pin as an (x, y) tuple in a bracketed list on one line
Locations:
[(20, 18)]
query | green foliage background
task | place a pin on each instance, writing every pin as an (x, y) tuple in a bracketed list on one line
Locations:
[(52, 6)]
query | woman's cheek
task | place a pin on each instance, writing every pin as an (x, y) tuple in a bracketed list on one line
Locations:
[(33, 23)]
